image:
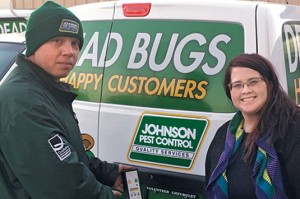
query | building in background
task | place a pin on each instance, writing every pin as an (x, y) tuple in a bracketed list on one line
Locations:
[(31, 4)]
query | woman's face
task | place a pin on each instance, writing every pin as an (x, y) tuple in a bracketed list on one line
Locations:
[(251, 97)]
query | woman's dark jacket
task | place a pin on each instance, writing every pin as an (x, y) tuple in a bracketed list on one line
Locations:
[(239, 173)]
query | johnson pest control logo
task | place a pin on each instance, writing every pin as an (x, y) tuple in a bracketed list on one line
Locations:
[(168, 140)]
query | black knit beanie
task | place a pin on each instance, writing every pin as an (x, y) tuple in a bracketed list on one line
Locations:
[(49, 21)]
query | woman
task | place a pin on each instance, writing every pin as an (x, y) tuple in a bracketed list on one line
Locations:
[(257, 153)]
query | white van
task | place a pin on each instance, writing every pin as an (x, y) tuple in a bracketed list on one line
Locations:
[(12, 37), (10, 45), (13, 21), (149, 79)]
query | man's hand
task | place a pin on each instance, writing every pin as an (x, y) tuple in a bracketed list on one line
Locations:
[(119, 186), (117, 193)]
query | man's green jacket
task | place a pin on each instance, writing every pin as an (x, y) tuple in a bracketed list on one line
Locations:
[(41, 150)]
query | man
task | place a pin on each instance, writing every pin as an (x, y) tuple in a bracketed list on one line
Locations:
[(41, 150)]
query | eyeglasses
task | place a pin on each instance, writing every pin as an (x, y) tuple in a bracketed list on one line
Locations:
[(238, 86)]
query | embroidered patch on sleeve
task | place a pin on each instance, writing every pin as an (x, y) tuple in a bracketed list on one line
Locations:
[(60, 147)]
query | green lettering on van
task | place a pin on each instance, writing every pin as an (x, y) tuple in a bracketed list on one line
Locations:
[(157, 63), (291, 46), (168, 140), (12, 25)]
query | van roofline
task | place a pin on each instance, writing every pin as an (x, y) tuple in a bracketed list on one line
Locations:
[(15, 13)]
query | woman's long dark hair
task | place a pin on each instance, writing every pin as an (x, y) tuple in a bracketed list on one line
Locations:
[(279, 108)]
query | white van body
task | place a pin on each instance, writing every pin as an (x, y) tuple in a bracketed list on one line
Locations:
[(149, 80), (13, 21), (182, 45), (153, 95)]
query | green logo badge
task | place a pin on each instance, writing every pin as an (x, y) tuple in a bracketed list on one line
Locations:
[(168, 140)]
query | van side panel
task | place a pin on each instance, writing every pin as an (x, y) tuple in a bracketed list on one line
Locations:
[(160, 76), (87, 75), (177, 46)]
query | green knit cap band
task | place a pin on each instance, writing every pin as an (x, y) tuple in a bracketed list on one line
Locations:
[(49, 21)]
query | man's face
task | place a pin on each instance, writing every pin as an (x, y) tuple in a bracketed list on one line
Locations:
[(57, 56)]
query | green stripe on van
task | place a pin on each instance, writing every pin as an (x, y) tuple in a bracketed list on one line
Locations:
[(157, 63)]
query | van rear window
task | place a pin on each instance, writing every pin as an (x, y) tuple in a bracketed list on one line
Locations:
[(8, 52)]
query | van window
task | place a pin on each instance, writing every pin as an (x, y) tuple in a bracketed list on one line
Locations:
[(8, 52)]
